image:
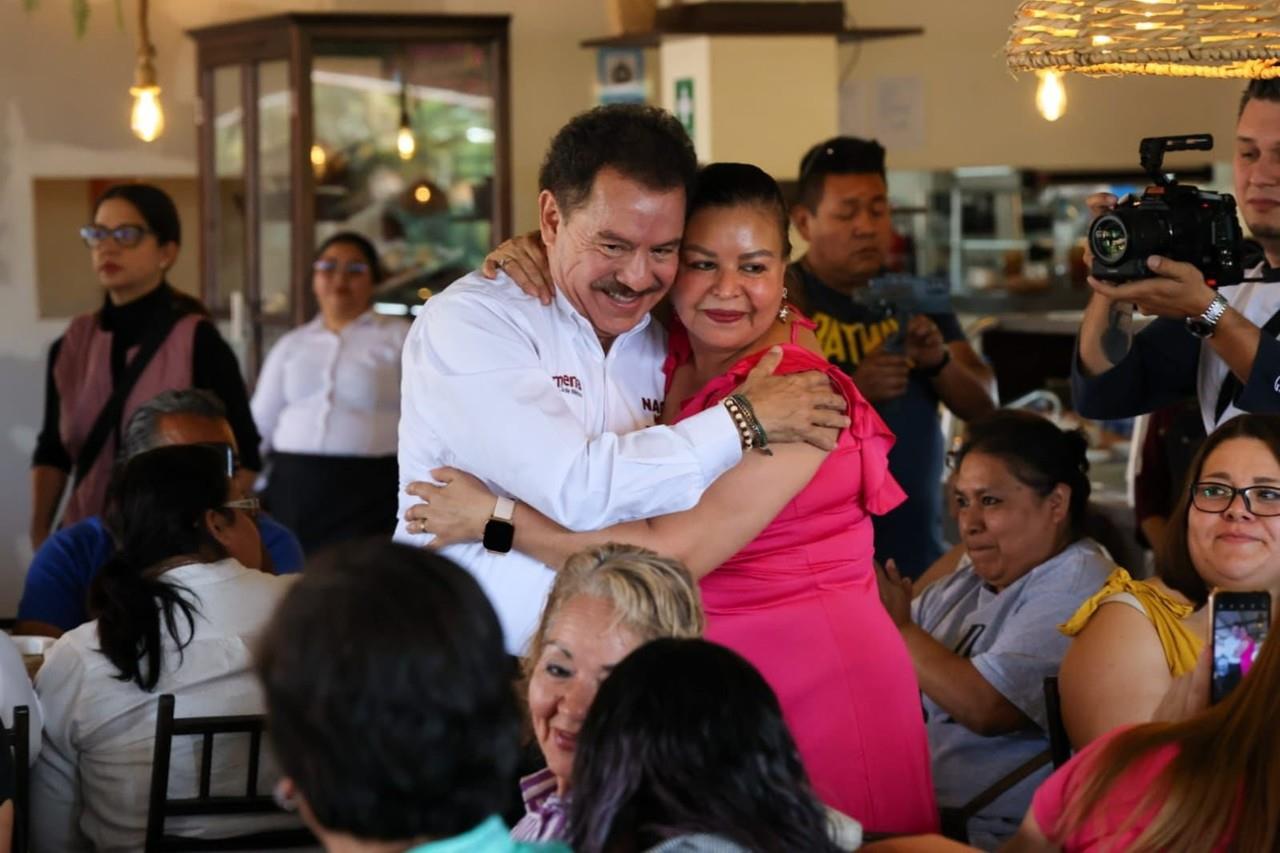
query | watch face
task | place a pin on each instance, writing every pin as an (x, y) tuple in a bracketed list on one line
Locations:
[(499, 535)]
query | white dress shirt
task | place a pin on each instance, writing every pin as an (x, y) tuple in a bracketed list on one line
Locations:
[(524, 397), (89, 789), (332, 393)]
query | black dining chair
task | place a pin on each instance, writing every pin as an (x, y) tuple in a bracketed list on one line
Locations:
[(18, 741), (206, 803), (1059, 741)]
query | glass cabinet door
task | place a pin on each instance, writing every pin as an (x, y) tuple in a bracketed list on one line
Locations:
[(427, 204)]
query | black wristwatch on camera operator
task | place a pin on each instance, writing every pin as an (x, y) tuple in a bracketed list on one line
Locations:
[(499, 532)]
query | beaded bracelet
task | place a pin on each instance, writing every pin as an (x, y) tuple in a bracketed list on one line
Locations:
[(762, 438), (750, 432)]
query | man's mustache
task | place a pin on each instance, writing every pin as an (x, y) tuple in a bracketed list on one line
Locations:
[(607, 285)]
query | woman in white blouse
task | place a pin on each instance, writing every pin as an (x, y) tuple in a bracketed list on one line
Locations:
[(328, 406), (176, 611)]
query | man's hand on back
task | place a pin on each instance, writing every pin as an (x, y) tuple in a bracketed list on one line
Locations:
[(795, 407)]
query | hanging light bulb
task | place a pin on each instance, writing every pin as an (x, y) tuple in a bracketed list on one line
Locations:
[(319, 159), (146, 120), (405, 143), (1051, 95)]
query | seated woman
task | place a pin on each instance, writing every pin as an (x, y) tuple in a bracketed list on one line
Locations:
[(984, 638), (1133, 638), (605, 602), (1206, 782), (685, 749), (176, 612), (389, 704)]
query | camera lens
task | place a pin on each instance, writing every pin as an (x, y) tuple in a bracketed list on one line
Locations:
[(1109, 239)]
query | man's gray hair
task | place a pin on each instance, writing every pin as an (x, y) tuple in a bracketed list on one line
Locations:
[(141, 433)]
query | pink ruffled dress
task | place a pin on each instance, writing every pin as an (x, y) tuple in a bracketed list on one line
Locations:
[(800, 603)]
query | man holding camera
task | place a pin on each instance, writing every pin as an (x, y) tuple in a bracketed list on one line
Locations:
[(1219, 345), (842, 212)]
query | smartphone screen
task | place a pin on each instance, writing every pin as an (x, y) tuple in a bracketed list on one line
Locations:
[(1240, 623)]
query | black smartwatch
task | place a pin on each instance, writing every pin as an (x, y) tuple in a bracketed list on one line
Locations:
[(499, 532)]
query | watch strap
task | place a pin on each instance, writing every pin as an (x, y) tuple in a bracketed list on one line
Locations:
[(1204, 325), (931, 372), (504, 509)]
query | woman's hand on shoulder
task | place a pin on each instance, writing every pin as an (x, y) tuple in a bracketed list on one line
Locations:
[(454, 509), (524, 259), (1115, 673)]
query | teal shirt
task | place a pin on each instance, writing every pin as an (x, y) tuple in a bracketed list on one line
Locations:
[(489, 837)]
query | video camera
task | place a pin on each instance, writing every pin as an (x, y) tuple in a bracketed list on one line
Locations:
[(903, 296), (1174, 220)]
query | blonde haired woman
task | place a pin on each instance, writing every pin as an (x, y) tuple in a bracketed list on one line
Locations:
[(606, 602)]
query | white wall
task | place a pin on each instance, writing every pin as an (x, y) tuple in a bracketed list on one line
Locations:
[(977, 113), (64, 106)]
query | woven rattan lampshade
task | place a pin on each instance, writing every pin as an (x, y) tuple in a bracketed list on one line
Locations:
[(1176, 38)]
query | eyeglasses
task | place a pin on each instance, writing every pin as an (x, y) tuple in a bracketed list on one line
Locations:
[(127, 236), (251, 506), (1216, 497), (328, 267)]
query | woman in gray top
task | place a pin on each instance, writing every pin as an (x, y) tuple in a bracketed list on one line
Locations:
[(984, 638)]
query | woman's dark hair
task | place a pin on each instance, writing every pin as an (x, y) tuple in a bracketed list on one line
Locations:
[(389, 694), (741, 184), (686, 737), (1173, 558), (646, 144), (156, 507), (362, 243), (157, 209), (1038, 454)]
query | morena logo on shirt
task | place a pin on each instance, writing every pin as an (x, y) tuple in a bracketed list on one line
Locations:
[(569, 384)]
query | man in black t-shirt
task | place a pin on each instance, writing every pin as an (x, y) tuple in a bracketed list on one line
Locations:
[(843, 214)]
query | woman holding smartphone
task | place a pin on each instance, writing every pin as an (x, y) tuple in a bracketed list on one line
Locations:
[(1224, 535)]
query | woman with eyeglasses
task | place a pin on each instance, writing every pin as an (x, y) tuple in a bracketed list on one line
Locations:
[(328, 405), (175, 611), (146, 338), (1134, 639)]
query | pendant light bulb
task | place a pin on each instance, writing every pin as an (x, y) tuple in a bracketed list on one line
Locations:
[(1051, 95), (405, 143), (146, 119)]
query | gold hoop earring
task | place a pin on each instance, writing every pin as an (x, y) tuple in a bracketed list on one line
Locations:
[(784, 313)]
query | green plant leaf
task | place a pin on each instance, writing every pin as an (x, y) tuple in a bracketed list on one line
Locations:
[(30, 4), (80, 14), (119, 14)]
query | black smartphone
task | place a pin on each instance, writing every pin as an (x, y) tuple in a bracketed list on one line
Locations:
[(1240, 623)]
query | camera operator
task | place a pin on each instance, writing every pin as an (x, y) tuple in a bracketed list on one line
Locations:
[(1220, 345)]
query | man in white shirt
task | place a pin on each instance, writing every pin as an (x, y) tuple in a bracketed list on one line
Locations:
[(556, 405), (1231, 361)]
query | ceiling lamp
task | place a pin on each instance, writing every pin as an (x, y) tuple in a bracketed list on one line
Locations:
[(1173, 38), (146, 120)]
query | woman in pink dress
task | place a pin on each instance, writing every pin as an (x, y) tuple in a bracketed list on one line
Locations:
[(782, 543)]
